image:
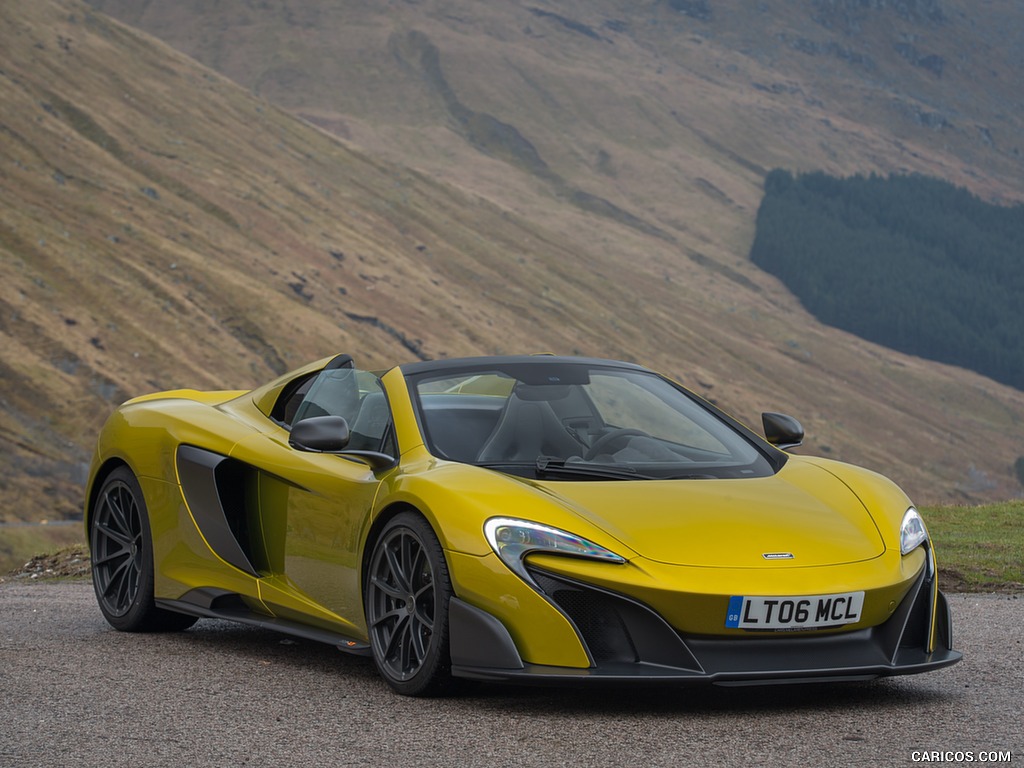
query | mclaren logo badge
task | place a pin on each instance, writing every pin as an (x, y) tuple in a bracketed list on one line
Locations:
[(777, 555)]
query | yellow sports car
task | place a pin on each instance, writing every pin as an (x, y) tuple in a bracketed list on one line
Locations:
[(522, 519)]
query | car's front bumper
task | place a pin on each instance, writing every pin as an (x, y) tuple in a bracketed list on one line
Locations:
[(629, 642)]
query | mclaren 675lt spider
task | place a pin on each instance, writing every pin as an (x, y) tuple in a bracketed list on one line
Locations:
[(530, 519)]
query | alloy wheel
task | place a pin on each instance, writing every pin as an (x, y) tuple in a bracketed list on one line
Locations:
[(117, 542)]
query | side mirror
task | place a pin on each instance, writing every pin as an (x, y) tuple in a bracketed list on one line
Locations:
[(320, 434), (782, 431), (330, 434)]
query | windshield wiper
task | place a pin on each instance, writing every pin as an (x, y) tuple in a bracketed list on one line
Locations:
[(547, 465)]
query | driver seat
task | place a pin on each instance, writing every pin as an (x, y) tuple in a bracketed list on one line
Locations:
[(525, 430)]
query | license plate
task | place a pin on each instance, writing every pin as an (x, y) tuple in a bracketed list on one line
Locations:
[(804, 612)]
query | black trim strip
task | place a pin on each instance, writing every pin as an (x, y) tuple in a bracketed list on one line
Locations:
[(909, 663), (242, 615)]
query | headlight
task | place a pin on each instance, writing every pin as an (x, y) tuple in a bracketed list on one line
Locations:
[(513, 540), (912, 532)]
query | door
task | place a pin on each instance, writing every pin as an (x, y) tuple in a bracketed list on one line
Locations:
[(314, 508)]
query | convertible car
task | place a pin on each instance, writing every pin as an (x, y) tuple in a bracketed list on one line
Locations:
[(531, 519)]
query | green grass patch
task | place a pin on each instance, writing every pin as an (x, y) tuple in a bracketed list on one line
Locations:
[(19, 544), (979, 549)]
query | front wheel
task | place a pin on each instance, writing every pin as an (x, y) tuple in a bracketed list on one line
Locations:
[(122, 559), (406, 596)]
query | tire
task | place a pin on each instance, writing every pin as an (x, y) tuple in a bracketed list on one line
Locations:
[(122, 559), (406, 600)]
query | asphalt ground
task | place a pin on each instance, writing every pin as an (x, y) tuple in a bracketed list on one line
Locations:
[(74, 692)]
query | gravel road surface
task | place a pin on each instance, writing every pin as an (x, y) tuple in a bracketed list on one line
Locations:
[(74, 692)]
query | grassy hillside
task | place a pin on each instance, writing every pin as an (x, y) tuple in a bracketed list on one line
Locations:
[(667, 112), (161, 226)]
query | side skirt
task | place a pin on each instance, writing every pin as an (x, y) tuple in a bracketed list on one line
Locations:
[(237, 612)]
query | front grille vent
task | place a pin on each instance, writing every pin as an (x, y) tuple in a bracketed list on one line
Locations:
[(595, 615)]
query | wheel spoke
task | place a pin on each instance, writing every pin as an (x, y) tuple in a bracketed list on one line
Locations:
[(427, 590), (124, 588), (409, 662), (119, 514), (418, 560), (409, 551), (118, 536), (109, 557), (394, 639), (395, 564), (392, 592), (424, 602), (425, 619), (394, 613), (418, 641), (116, 576)]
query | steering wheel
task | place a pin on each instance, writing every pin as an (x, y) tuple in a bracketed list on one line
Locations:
[(610, 437)]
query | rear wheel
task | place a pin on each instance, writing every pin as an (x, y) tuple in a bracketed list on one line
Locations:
[(122, 559), (407, 593)]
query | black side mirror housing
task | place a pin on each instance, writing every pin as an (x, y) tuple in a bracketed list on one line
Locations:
[(330, 434), (320, 434), (782, 431)]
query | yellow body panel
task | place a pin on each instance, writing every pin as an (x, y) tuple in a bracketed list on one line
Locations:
[(802, 510)]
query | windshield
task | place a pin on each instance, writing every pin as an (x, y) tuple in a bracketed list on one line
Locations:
[(581, 421)]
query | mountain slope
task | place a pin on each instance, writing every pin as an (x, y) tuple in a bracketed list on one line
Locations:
[(163, 227)]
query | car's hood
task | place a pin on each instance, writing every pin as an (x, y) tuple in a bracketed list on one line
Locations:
[(803, 511)]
